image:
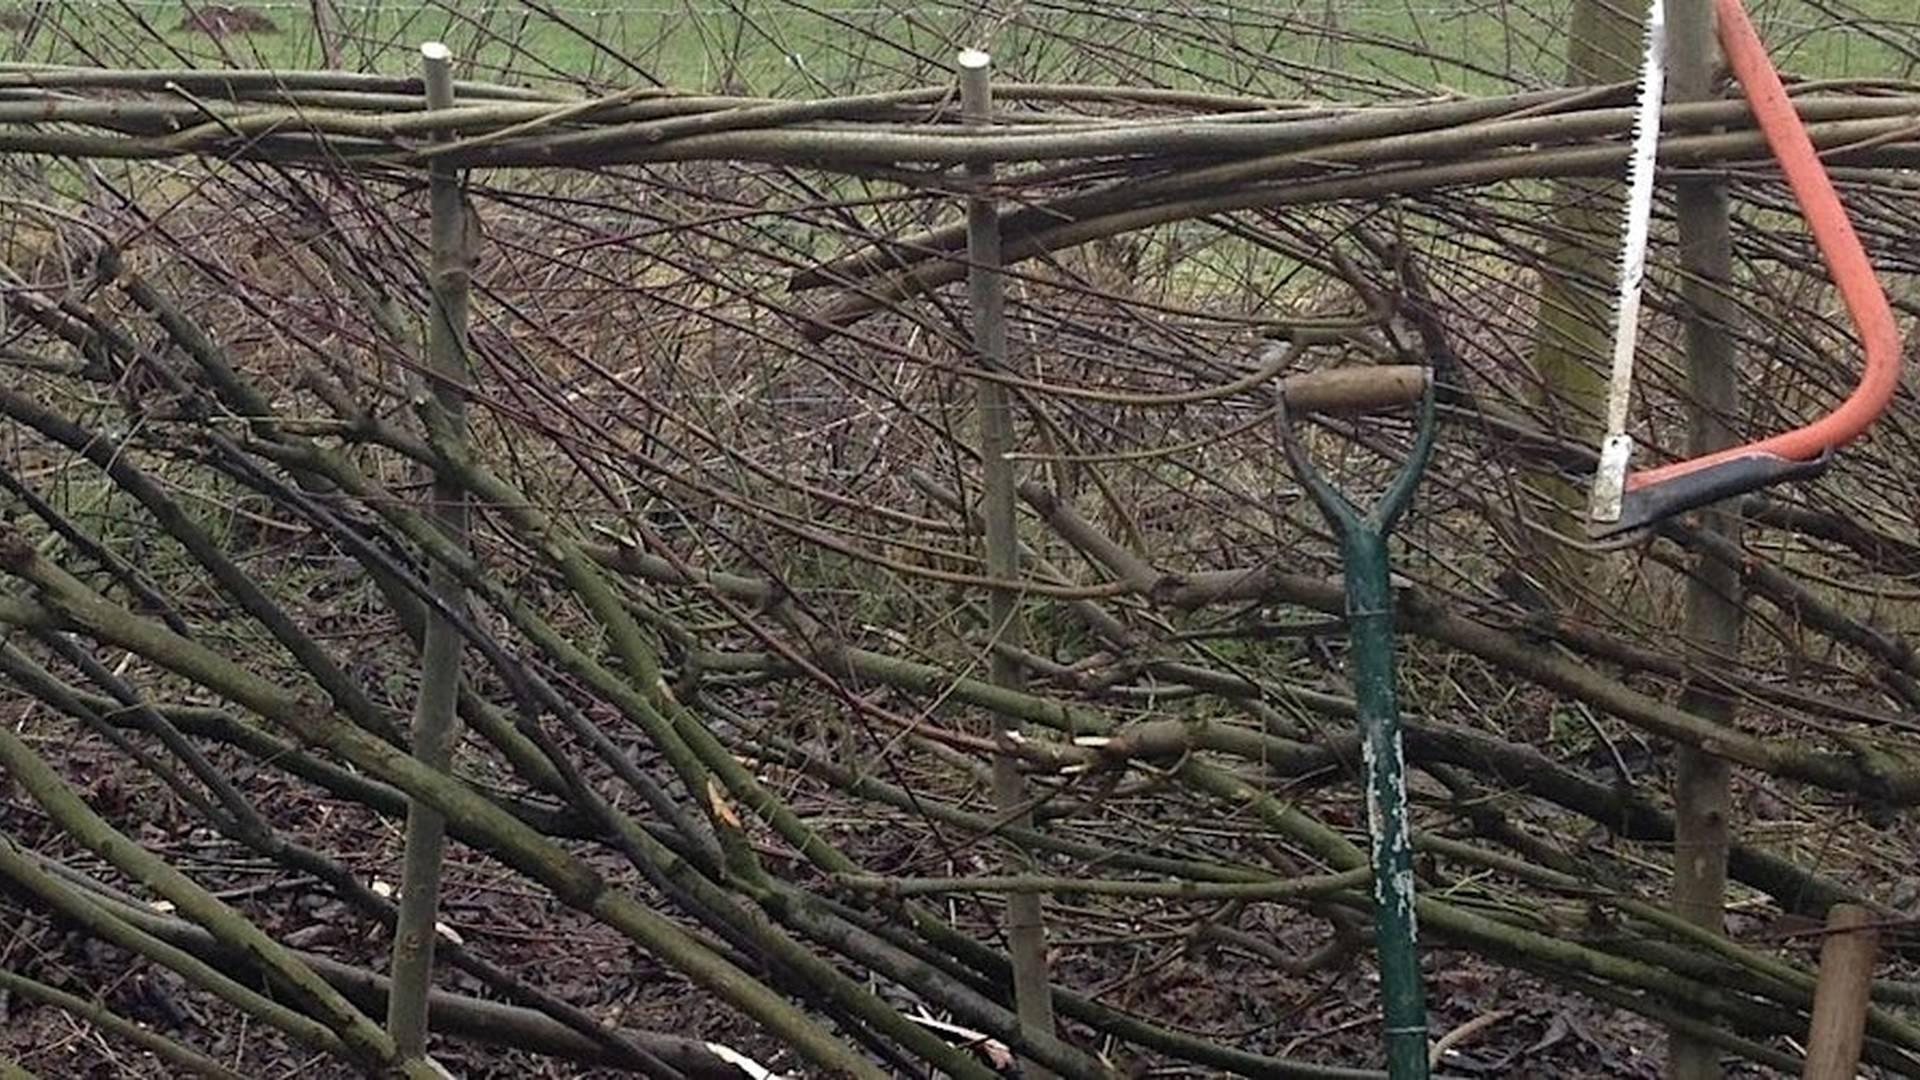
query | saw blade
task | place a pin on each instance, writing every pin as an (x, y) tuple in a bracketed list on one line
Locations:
[(1609, 481)]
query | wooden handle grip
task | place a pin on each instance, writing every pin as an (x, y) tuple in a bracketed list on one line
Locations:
[(1355, 389)]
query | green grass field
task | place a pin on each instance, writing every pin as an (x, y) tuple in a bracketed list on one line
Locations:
[(1298, 48)]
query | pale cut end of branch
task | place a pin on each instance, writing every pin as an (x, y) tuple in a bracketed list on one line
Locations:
[(435, 52), (973, 59)]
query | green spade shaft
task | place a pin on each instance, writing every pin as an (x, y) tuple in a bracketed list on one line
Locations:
[(1371, 664)]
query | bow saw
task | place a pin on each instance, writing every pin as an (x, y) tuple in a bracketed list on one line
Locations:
[(1624, 503)]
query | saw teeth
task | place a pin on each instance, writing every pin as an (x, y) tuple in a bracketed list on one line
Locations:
[(1643, 155)]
